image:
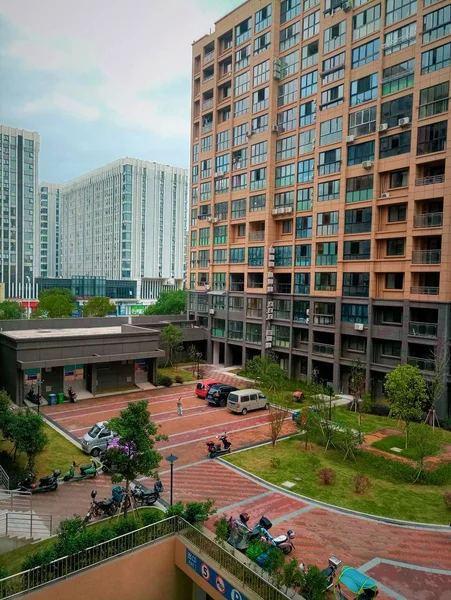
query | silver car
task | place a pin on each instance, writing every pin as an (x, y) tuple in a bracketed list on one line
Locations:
[(97, 438)]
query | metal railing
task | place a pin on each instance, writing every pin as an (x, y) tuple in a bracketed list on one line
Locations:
[(4, 478), (256, 236), (253, 338), (428, 220), (426, 257), (424, 290), (430, 180), (424, 364), (208, 77), (324, 319), (206, 104), (282, 288), (15, 500), (29, 525), (325, 349), (209, 57), (418, 329)]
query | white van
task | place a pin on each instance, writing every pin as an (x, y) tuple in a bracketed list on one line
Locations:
[(242, 401)]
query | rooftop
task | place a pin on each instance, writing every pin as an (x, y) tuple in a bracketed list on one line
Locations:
[(75, 332)]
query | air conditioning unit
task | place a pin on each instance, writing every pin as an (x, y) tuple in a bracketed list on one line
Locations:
[(358, 326), (270, 303), (270, 276), (276, 69), (270, 289), (367, 164), (268, 336), (218, 175), (250, 133), (404, 122), (382, 127), (212, 311), (270, 263), (347, 6), (207, 287), (385, 195), (269, 314), (208, 219), (268, 345), (350, 139), (275, 129), (214, 219)]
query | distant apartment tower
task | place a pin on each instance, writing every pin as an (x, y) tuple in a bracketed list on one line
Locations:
[(126, 221), (19, 214), (321, 187), (49, 230)]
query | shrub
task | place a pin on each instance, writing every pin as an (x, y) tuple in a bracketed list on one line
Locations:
[(380, 410), (327, 476), (222, 529), (275, 462), (178, 379), (361, 483), (123, 526), (150, 517), (447, 499), (164, 380)]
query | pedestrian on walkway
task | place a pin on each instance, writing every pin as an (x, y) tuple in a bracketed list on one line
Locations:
[(179, 407)]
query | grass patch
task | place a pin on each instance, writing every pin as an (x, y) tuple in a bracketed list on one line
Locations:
[(369, 423), (173, 372), (399, 441), (389, 494), (13, 560)]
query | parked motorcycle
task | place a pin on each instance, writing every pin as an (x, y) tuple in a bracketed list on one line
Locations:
[(46, 484), (144, 496), (330, 571), (34, 397), (284, 542), (86, 472), (103, 508), (72, 395), (241, 536), (215, 449)]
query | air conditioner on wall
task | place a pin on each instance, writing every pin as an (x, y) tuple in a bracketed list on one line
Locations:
[(385, 195), (358, 326), (404, 122), (347, 6), (350, 139), (212, 311), (367, 164), (275, 129), (382, 127)]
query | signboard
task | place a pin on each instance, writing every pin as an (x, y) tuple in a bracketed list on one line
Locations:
[(141, 365), (32, 376), (74, 372), (137, 309), (122, 310), (212, 578)]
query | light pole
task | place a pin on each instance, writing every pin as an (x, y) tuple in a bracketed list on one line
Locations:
[(171, 459), (29, 291)]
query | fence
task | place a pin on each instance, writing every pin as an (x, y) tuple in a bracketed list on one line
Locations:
[(4, 478), (28, 525), (15, 500)]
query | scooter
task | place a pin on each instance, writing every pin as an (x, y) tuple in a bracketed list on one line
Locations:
[(106, 508), (284, 542), (33, 397), (86, 472), (241, 536), (147, 497), (72, 395), (46, 484), (330, 571), (214, 449)]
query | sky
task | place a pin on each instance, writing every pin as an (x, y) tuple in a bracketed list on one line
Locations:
[(101, 79)]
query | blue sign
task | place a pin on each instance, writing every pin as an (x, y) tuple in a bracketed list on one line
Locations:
[(210, 576)]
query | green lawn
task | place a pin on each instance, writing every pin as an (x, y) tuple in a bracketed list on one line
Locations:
[(176, 372), (386, 496), (369, 423), (399, 441)]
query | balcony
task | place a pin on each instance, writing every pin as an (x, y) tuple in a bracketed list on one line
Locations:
[(282, 210), (424, 290), (323, 349), (256, 236), (324, 319), (207, 127), (253, 338), (218, 332), (206, 104), (282, 288), (428, 220), (426, 330), (209, 57), (424, 364), (426, 257), (432, 179)]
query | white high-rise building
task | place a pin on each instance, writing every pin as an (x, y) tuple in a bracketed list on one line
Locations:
[(49, 243), (126, 221), (19, 214)]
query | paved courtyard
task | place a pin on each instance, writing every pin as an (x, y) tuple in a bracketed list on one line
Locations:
[(408, 562)]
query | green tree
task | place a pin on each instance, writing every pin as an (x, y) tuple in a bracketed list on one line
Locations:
[(10, 309), (6, 415), (98, 307), (172, 302), (357, 381), (135, 454), (56, 303), (426, 441), (26, 431), (172, 338), (313, 583), (195, 513), (265, 372), (406, 391)]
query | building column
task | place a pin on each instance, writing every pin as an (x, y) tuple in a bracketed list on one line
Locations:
[(369, 346), (405, 331), (443, 324), (211, 351), (152, 370), (337, 344), (215, 352), (93, 389), (227, 355)]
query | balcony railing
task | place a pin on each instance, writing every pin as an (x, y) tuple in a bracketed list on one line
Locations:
[(430, 180), (424, 364), (207, 127), (424, 290), (255, 284), (324, 319), (256, 236), (253, 338), (426, 257), (324, 349), (282, 315), (209, 57), (237, 286), (208, 77), (218, 332), (282, 288), (437, 145), (206, 104), (283, 209), (428, 220), (427, 330)]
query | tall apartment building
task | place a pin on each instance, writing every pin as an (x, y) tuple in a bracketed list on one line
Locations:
[(19, 218), (321, 186), (126, 221), (49, 230)]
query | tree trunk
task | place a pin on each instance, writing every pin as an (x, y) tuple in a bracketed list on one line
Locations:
[(127, 485), (407, 434)]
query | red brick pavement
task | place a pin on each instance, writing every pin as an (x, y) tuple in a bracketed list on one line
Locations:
[(420, 585)]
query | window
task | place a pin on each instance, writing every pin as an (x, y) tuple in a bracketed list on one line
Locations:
[(358, 220), (362, 122), (256, 256), (289, 9), (204, 236), (303, 255), (356, 344), (287, 226), (333, 68), (395, 10), (281, 336), (354, 313), (235, 328), (366, 22), (254, 306), (219, 283), (400, 38), (222, 163), (238, 209), (243, 31), (310, 55), (257, 203), (285, 175), (391, 348), (195, 152), (334, 37), (219, 257), (206, 143), (398, 77), (259, 153), (283, 256), (282, 309), (193, 260), (363, 89), (195, 174), (222, 185), (202, 279), (326, 254), (309, 83), (396, 247), (289, 64), (356, 284), (218, 326), (436, 59), (220, 234), (289, 36), (204, 258), (432, 138), (242, 58), (193, 218), (237, 255), (357, 250), (222, 141), (303, 227), (193, 242), (330, 190), (327, 223), (261, 73), (306, 141), (308, 4), (205, 191), (286, 148), (240, 134), (241, 107), (242, 83), (262, 43), (302, 283), (329, 162), (239, 182), (259, 124), (205, 168), (366, 53), (332, 97), (397, 109), (258, 178), (287, 92), (263, 18), (221, 210), (331, 131), (392, 145), (194, 195), (325, 282), (397, 213), (434, 100), (307, 113), (310, 25), (284, 199), (287, 119), (358, 153), (359, 189), (437, 24), (394, 281), (305, 170), (304, 199)]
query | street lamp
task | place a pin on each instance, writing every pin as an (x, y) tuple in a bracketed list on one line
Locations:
[(171, 459)]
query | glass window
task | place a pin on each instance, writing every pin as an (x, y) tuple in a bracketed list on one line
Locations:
[(304, 199), (261, 73), (365, 54), (241, 107), (205, 168), (397, 109), (239, 182), (235, 328), (325, 282), (193, 218), (364, 89), (263, 18), (242, 83), (308, 4), (302, 283), (306, 141), (330, 190), (194, 195), (397, 212), (204, 258), (394, 281), (195, 174), (289, 64), (262, 43), (242, 58), (331, 131), (358, 153), (327, 223), (400, 38), (259, 153), (205, 191), (392, 145), (287, 92), (204, 236), (437, 24), (243, 31), (359, 189), (356, 284), (219, 234), (206, 143), (362, 122), (396, 247), (309, 84), (259, 124), (223, 141), (240, 134), (237, 255), (221, 186), (326, 254), (358, 220), (290, 36), (281, 335), (310, 25), (221, 210), (283, 256), (307, 113), (310, 55), (222, 163), (238, 208), (303, 227), (254, 306), (395, 10), (258, 178), (366, 22), (219, 283), (329, 162), (303, 256), (436, 59), (354, 313), (391, 348), (357, 250), (286, 119), (285, 175), (193, 242), (286, 148), (432, 138), (257, 203), (305, 170), (284, 199), (434, 100), (398, 77), (334, 37), (289, 9), (256, 256), (332, 97), (333, 68)]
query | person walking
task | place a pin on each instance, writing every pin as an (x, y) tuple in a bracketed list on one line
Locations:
[(179, 407)]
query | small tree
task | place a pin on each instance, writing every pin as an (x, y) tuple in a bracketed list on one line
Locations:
[(357, 380), (407, 393), (10, 309), (195, 513), (98, 307), (134, 454), (277, 417), (56, 303), (265, 372), (172, 338), (310, 425), (426, 441), (313, 583), (436, 383), (26, 431), (172, 302), (347, 440)]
